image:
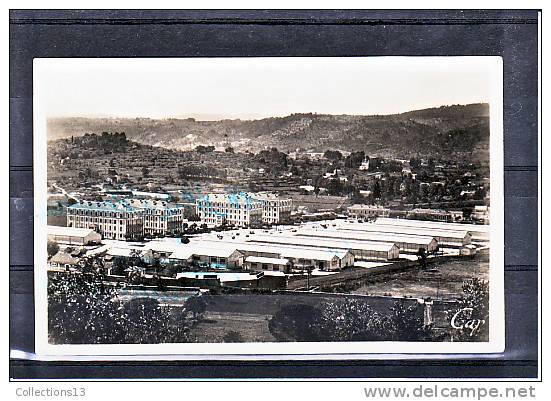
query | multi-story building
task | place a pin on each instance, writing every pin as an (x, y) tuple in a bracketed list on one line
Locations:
[(363, 211), (239, 210), (429, 214), (113, 220), (275, 210), (160, 217)]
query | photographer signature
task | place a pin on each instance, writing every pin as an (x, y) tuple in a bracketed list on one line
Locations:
[(463, 320)]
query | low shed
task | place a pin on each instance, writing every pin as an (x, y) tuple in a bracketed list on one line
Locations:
[(271, 264), (73, 236)]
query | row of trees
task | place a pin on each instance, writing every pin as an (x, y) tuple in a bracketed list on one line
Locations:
[(353, 319), (349, 319), (83, 310)]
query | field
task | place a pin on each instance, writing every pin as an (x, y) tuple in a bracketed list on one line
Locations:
[(442, 280), (216, 325)]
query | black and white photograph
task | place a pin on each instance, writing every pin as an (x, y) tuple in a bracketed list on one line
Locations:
[(268, 206)]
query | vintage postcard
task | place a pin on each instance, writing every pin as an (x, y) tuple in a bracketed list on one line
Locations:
[(261, 208)]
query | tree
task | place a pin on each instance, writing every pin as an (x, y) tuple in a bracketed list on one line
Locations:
[(52, 247), (273, 158), (376, 189), (357, 197), (135, 258), (204, 149), (335, 187), (196, 305), (332, 155), (82, 309), (422, 257), (229, 149), (469, 321), (92, 265), (355, 159), (147, 322), (295, 322), (406, 323), (467, 212), (350, 319)]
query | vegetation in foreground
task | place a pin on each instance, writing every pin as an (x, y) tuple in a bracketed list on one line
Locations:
[(83, 310)]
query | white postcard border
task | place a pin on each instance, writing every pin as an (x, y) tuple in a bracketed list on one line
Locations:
[(287, 350)]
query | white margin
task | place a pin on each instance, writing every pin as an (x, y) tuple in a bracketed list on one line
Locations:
[(299, 350)]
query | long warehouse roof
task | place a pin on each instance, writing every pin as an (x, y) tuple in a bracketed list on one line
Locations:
[(341, 243), (433, 224), (68, 231), (286, 251), (366, 236), (381, 228)]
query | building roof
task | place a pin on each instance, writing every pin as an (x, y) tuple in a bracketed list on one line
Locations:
[(163, 246), (182, 253), (285, 251), (63, 258), (434, 224), (353, 236), (117, 206), (368, 265), (273, 261), (366, 207), (151, 194), (126, 252), (186, 251), (241, 198), (428, 211), (337, 243), (223, 277), (151, 204), (415, 231), (267, 196), (97, 251), (125, 205), (273, 273), (298, 252), (69, 231)]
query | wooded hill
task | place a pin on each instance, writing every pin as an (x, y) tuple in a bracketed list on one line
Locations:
[(448, 132)]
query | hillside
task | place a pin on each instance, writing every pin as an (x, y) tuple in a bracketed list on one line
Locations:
[(458, 131)]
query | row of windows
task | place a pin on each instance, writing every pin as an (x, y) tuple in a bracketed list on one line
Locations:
[(280, 204), (103, 228), (166, 212), (265, 267), (102, 213), (225, 212), (97, 220), (89, 212), (238, 206)]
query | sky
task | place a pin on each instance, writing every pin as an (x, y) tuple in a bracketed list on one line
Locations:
[(251, 88)]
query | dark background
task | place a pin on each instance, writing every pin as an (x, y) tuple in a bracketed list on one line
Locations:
[(171, 33)]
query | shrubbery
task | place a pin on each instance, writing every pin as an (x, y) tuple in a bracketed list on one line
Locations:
[(350, 319), (82, 310)]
